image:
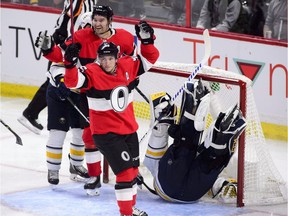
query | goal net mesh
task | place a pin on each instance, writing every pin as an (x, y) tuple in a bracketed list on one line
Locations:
[(262, 182)]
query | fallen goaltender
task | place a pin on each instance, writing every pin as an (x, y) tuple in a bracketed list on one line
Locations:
[(192, 165)]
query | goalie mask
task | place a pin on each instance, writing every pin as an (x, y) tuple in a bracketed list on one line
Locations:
[(107, 49), (102, 10)]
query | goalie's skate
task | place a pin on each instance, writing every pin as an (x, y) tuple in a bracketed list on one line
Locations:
[(92, 186), (78, 173), (53, 177), (225, 190), (31, 124)]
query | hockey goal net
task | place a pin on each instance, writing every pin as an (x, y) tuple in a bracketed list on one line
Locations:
[(259, 181)]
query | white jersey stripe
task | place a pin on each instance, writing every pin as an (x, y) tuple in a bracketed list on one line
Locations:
[(124, 194), (101, 104)]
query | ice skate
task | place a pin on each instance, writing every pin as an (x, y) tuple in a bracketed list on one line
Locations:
[(225, 190), (30, 123), (53, 177), (78, 173), (137, 212), (92, 186)]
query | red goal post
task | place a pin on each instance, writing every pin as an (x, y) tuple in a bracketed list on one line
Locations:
[(259, 181)]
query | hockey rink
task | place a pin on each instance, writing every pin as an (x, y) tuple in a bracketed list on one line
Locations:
[(26, 192)]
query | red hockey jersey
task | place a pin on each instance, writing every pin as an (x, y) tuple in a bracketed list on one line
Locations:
[(110, 97)]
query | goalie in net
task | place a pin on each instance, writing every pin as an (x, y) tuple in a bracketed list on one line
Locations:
[(190, 167)]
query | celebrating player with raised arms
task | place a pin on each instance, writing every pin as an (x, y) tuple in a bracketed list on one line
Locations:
[(187, 169), (109, 84), (90, 39)]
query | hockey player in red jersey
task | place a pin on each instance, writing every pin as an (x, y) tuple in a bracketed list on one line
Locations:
[(90, 39), (186, 170), (109, 84)]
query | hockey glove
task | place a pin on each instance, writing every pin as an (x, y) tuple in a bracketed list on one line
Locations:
[(145, 32), (162, 109), (62, 91), (60, 36), (44, 42), (71, 55), (223, 134)]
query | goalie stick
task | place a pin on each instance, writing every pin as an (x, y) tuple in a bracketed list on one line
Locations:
[(18, 138), (207, 44)]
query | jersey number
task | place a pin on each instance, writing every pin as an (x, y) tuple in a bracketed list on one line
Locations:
[(119, 98)]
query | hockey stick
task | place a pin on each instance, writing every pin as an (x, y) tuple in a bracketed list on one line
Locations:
[(18, 138), (142, 94), (78, 110), (207, 44), (72, 21)]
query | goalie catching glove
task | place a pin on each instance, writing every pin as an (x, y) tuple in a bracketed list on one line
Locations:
[(44, 42), (145, 32), (71, 55)]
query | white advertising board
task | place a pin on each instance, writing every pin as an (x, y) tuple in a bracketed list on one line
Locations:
[(264, 63)]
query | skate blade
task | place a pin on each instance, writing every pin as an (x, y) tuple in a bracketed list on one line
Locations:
[(93, 192), (53, 186), (22, 120), (77, 178)]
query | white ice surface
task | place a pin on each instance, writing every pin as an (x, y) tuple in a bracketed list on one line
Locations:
[(25, 191)]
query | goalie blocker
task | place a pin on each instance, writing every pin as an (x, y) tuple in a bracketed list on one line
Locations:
[(187, 169)]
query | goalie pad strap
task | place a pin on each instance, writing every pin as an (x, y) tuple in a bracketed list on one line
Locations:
[(217, 146), (201, 113), (189, 116)]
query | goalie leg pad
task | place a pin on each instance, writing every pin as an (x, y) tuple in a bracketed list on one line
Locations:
[(157, 146), (224, 132), (158, 142), (201, 113), (194, 108), (195, 104)]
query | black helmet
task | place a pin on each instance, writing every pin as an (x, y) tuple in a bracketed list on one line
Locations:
[(108, 48), (102, 10)]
